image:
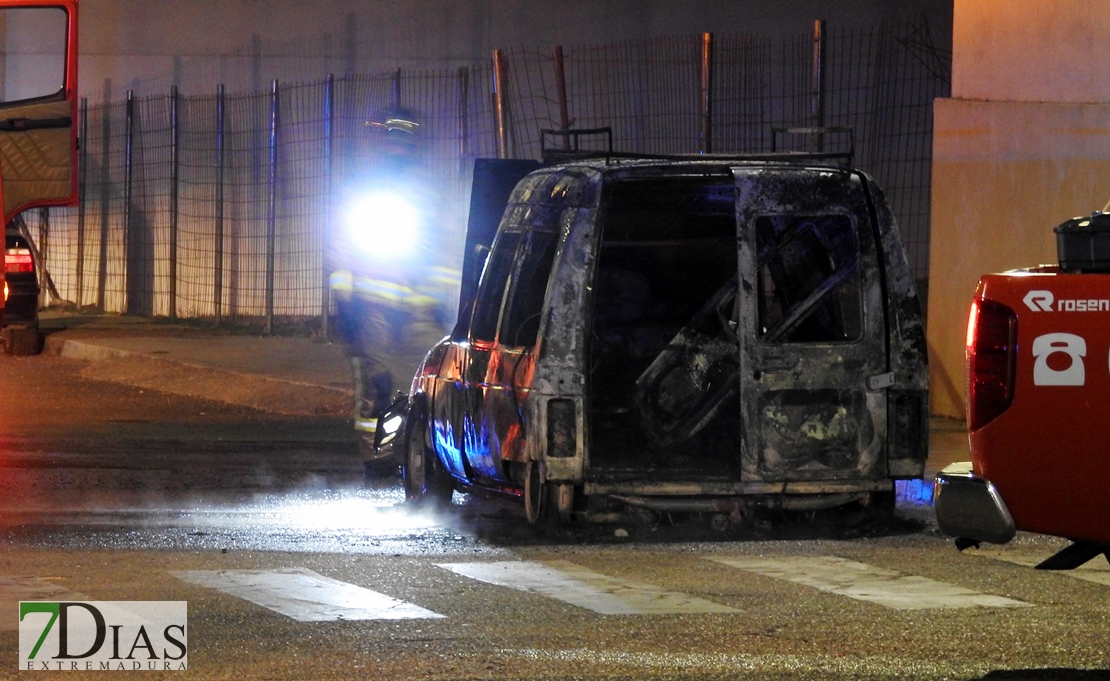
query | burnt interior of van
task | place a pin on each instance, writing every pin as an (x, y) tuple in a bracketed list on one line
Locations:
[(663, 354)]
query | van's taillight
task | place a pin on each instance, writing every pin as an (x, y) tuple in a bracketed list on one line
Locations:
[(562, 431), (991, 356), (19, 260)]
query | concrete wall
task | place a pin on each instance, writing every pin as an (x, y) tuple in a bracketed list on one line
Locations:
[(1023, 145), (149, 45), (1031, 50)]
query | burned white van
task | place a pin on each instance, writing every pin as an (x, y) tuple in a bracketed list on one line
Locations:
[(704, 335)]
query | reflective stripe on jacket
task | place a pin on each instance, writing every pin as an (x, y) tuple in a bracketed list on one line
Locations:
[(379, 291)]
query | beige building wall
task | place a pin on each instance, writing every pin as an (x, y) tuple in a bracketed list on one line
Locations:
[(1023, 145), (1031, 50)]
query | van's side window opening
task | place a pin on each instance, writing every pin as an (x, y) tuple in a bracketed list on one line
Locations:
[(520, 322), (809, 284), (491, 290)]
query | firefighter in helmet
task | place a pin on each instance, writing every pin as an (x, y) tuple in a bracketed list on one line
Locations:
[(376, 263)]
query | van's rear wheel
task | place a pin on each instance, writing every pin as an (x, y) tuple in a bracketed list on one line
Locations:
[(426, 482), (544, 501), (536, 497)]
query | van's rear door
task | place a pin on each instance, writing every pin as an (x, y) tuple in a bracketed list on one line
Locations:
[(38, 104), (811, 327), (493, 184)]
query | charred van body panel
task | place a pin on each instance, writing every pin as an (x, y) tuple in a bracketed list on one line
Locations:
[(697, 335)]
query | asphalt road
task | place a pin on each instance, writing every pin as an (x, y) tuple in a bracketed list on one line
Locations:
[(292, 569)]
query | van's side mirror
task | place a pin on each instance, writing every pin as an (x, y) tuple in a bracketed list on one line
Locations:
[(481, 255)]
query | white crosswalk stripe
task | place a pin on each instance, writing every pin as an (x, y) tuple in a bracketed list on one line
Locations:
[(15, 589), (305, 595), (576, 585), (868, 583)]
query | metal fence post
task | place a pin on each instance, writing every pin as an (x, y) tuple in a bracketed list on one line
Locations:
[(46, 286), (817, 84), (705, 134), (499, 82), (464, 122), (105, 194), (175, 178), (329, 209), (82, 186), (561, 89), (271, 208), (462, 166), (130, 276), (218, 284), (395, 91)]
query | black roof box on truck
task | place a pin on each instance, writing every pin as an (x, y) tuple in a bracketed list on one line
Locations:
[(1083, 243)]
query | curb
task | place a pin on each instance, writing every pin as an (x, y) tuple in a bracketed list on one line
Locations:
[(193, 380)]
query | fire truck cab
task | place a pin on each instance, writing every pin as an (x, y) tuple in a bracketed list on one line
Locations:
[(38, 142)]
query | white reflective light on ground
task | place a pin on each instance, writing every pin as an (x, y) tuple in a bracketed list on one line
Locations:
[(363, 511), (325, 521), (305, 595), (574, 584), (869, 583), (366, 511), (352, 521)]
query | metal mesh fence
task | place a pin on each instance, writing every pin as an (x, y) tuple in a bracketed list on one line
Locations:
[(222, 205)]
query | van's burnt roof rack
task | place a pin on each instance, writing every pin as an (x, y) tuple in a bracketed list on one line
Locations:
[(816, 142), (569, 147), (565, 145)]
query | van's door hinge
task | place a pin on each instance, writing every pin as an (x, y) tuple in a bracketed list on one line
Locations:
[(880, 381)]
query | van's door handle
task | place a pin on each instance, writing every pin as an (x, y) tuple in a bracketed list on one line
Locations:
[(880, 381), (777, 363)]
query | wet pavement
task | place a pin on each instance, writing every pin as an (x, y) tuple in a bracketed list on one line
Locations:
[(113, 490), (350, 522), (264, 606)]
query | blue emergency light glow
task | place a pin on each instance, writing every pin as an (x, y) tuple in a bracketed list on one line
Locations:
[(383, 224)]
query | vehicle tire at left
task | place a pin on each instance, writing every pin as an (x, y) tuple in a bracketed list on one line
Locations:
[(21, 340), (426, 482)]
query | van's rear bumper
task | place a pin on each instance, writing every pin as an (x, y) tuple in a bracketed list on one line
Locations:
[(969, 507)]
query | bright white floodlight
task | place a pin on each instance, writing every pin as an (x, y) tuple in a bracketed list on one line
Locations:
[(383, 224)]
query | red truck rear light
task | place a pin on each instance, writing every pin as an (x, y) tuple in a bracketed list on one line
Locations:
[(991, 357), (19, 260)]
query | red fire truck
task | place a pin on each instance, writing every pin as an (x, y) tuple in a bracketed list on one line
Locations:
[(1038, 382), (38, 142)]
